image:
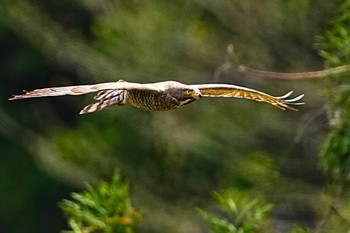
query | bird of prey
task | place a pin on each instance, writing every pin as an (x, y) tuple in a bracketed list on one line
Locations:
[(159, 96)]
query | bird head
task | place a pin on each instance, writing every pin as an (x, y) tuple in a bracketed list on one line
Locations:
[(193, 93), (185, 95)]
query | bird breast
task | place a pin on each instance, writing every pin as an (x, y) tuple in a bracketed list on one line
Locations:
[(152, 100)]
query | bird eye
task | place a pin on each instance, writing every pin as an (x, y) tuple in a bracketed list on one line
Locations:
[(188, 92)]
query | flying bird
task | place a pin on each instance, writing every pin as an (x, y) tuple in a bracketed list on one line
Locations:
[(159, 96)]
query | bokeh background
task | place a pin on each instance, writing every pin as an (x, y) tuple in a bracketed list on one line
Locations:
[(173, 161)]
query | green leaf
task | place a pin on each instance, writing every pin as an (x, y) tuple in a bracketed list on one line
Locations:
[(242, 212), (103, 208)]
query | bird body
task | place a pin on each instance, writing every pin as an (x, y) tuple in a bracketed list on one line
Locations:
[(159, 96), (169, 92)]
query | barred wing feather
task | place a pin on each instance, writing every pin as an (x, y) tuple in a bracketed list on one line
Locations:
[(225, 90)]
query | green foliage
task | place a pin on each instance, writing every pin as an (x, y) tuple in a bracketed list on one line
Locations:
[(336, 153), (243, 214), (103, 208), (334, 46), (300, 229), (263, 172)]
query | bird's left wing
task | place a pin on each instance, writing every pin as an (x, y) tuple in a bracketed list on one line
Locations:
[(226, 90)]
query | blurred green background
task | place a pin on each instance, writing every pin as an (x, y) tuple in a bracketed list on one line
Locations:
[(173, 161)]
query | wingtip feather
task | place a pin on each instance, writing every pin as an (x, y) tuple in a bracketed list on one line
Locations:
[(286, 103), (294, 99), (17, 97), (286, 95)]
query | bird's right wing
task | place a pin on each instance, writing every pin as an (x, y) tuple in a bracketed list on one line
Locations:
[(75, 90), (110, 94)]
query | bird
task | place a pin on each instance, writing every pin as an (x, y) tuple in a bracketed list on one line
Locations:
[(158, 96)]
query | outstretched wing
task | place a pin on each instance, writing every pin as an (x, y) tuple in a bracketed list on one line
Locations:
[(110, 94), (225, 90), (75, 90)]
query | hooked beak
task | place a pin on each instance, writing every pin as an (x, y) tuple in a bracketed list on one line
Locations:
[(196, 95)]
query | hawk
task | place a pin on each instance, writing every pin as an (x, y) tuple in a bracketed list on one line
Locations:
[(159, 96)]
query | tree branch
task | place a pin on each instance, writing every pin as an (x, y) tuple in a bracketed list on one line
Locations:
[(294, 76)]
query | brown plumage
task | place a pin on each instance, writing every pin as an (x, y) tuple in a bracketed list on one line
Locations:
[(160, 96)]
